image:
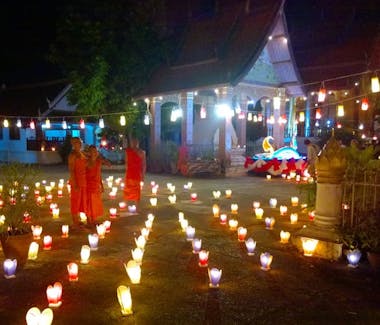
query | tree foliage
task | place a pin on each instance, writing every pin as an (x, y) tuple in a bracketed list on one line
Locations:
[(107, 49)]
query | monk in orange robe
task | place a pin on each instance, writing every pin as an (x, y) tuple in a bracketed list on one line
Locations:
[(95, 185), (78, 182), (135, 167)]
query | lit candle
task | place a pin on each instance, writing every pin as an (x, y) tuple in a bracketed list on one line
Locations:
[(284, 236), (269, 177), (49, 197), (33, 251), (269, 223), (122, 206), (132, 208), (311, 215), (228, 194), (181, 216), (184, 223), (36, 230), (101, 230), (10, 267), (113, 213), (309, 245), (283, 176), (93, 240), (273, 202), (242, 233), (55, 213), (190, 233), (125, 300), (353, 258), (137, 255), (215, 210), (223, 219), (82, 217), (294, 200), (112, 195), (72, 269), (265, 260), (65, 231), (60, 193), (256, 204), (197, 245), (193, 196), (48, 240), (85, 254), (189, 185), (283, 210), (35, 317), (233, 223), (134, 271), (154, 190), (251, 246), (153, 201), (203, 258), (107, 225), (216, 194), (54, 294), (293, 218), (214, 275), (259, 212)]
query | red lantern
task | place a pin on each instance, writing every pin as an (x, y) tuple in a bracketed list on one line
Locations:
[(72, 269), (318, 114), (365, 104), (322, 95), (54, 294)]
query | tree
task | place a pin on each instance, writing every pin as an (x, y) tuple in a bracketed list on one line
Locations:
[(108, 50)]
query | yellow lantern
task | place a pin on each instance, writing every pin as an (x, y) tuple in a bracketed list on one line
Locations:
[(340, 112), (375, 85), (293, 218), (123, 121), (259, 213), (228, 194), (283, 210), (33, 251), (125, 300), (302, 117), (284, 236), (234, 208), (134, 271), (309, 245), (233, 223), (215, 210), (55, 213), (294, 200), (35, 317)]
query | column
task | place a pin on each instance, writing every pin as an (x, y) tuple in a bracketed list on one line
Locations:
[(242, 124), (278, 128), (224, 97), (186, 103), (307, 117), (155, 126)]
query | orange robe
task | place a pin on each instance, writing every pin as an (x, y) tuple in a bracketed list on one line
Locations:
[(94, 191), (133, 176), (78, 196)]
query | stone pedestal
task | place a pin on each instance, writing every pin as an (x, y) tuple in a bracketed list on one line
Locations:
[(328, 205)]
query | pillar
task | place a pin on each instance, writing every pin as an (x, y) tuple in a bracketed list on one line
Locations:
[(224, 97), (187, 105), (278, 129), (307, 117), (242, 125), (155, 126)]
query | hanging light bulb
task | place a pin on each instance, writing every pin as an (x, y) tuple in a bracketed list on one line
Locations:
[(6, 123), (64, 125), (302, 117), (203, 112), (318, 114), (101, 123), (249, 116), (146, 119), (322, 94), (32, 125), (123, 121), (47, 123), (364, 104), (375, 86), (81, 123), (18, 123), (340, 110)]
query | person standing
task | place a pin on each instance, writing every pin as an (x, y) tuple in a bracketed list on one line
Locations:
[(135, 167), (312, 153), (78, 182), (94, 184)]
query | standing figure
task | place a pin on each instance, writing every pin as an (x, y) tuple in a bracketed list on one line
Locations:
[(94, 184), (78, 183), (312, 153), (135, 166)]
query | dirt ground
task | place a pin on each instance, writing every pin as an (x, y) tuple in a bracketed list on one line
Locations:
[(173, 288)]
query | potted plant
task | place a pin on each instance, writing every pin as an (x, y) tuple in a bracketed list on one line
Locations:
[(19, 207), (369, 236)]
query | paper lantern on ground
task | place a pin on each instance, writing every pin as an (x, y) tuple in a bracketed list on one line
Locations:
[(172, 199), (85, 254), (145, 233), (133, 270), (122, 206), (181, 216), (33, 251), (65, 231), (151, 217), (193, 197), (309, 245), (149, 224), (273, 202), (197, 245), (242, 233), (353, 257), (283, 210), (234, 208), (37, 230), (215, 210), (266, 261), (216, 194), (259, 212), (107, 225), (153, 201), (72, 269), (228, 194), (284, 236), (233, 223), (35, 317), (48, 240), (269, 223), (293, 218), (184, 223), (256, 204), (137, 255), (190, 233), (93, 240), (294, 200), (54, 294), (140, 242), (203, 258), (269, 177), (101, 230), (223, 219), (125, 300), (251, 246), (10, 267), (55, 213), (214, 275)]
